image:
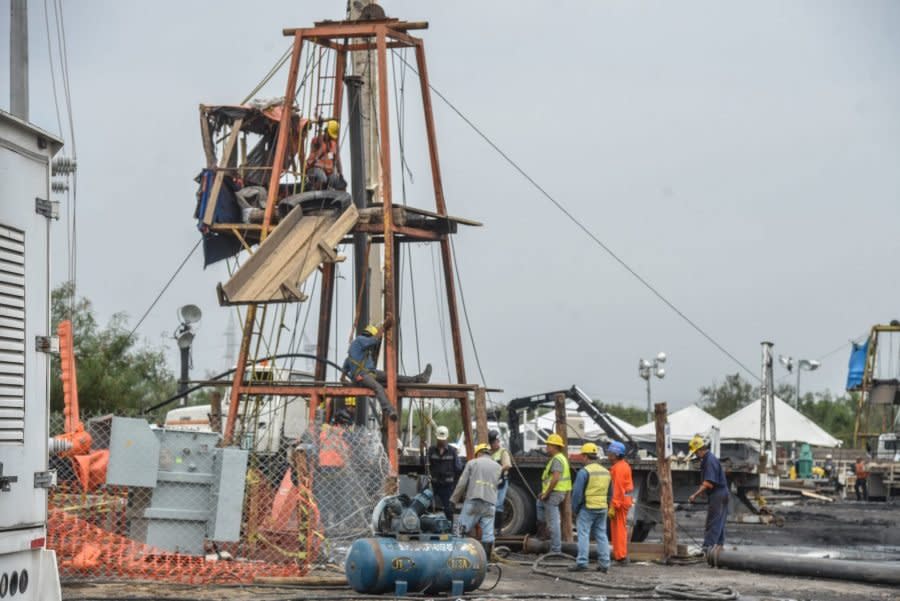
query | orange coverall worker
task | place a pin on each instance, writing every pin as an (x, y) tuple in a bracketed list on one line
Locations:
[(333, 449), (622, 485)]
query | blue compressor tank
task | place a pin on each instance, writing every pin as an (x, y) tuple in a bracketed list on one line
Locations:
[(427, 564)]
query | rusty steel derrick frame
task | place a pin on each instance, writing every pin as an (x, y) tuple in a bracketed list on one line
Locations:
[(863, 406), (343, 37)]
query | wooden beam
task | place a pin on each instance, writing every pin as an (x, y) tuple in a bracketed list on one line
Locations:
[(213, 197), (666, 498), (481, 415), (565, 508)]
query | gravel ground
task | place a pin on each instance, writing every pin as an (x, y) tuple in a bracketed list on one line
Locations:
[(848, 530)]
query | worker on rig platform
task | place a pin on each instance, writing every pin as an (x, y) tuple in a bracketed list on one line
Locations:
[(477, 490), (556, 481), (590, 501), (715, 485), (620, 503), (360, 366), (323, 167), (501, 456)]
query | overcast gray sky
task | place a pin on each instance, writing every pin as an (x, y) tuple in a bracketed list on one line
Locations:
[(741, 157)]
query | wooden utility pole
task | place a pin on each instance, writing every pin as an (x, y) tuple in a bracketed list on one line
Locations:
[(565, 509), (664, 470), (480, 415)]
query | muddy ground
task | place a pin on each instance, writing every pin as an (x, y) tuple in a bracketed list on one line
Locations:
[(846, 530)]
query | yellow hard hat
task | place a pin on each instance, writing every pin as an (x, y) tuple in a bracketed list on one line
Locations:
[(696, 443), (333, 129), (481, 447), (589, 448), (555, 439), (350, 401), (372, 330)]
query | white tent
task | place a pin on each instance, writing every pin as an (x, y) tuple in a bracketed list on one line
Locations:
[(590, 429), (790, 426), (683, 424)]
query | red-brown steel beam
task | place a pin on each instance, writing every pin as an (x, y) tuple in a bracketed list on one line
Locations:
[(446, 255), (326, 300), (240, 368), (284, 128), (339, 65), (390, 306), (277, 167)]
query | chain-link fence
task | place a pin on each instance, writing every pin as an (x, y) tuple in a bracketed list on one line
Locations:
[(171, 504)]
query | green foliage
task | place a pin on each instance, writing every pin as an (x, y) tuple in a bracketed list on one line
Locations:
[(835, 415), (113, 372), (721, 400)]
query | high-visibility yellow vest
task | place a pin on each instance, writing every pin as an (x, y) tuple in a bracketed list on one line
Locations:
[(564, 484), (597, 489)]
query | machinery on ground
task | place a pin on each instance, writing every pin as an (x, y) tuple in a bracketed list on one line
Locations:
[(414, 551), (27, 569)]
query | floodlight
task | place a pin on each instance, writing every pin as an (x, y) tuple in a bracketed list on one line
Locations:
[(661, 357), (185, 336), (788, 362), (189, 314), (661, 372), (809, 364)]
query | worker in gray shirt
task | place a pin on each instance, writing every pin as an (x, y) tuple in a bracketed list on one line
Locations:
[(478, 486)]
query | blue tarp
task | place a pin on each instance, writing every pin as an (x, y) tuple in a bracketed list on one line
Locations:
[(218, 246), (857, 365)]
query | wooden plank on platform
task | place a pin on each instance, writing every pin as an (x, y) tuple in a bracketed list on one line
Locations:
[(213, 197)]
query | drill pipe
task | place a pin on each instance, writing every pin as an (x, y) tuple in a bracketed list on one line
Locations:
[(839, 569), (536, 546)]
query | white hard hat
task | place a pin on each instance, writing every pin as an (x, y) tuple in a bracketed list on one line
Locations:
[(442, 433)]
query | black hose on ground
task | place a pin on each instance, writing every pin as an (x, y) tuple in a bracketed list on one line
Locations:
[(664, 591)]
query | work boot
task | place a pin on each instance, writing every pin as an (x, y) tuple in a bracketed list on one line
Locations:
[(425, 376), (577, 568), (488, 549), (602, 569), (623, 562)]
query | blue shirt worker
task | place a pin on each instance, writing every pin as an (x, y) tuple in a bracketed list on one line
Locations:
[(360, 366), (590, 501), (715, 486), (477, 488)]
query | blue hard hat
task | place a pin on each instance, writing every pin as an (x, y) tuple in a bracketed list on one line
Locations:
[(616, 448)]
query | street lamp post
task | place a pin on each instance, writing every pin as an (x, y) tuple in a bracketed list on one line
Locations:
[(646, 369), (801, 365), (189, 316)]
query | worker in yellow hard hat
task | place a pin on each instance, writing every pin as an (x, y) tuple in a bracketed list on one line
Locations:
[(714, 485), (590, 501), (477, 491), (556, 481), (323, 166), (360, 366)]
